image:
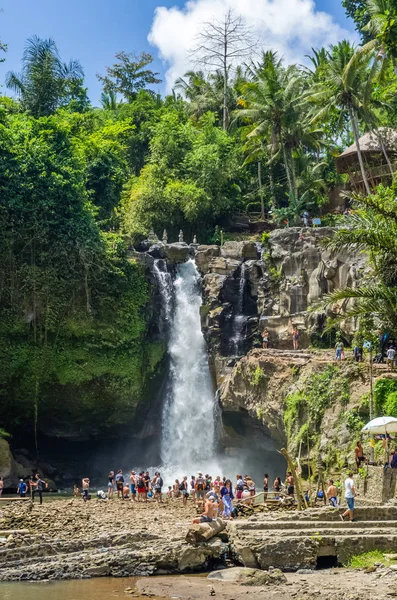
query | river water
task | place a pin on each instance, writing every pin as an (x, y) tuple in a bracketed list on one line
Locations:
[(85, 589)]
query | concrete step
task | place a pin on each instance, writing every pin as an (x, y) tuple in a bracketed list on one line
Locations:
[(280, 526), (315, 533)]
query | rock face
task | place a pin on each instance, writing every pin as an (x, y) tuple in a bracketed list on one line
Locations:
[(293, 274)]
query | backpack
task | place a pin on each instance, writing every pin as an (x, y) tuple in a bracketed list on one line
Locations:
[(182, 487), (240, 485), (141, 483), (200, 484)]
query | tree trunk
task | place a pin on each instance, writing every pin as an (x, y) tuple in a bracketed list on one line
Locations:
[(385, 153), (394, 61), (272, 189), (261, 190), (294, 177), (201, 532), (290, 187), (225, 78), (359, 154)]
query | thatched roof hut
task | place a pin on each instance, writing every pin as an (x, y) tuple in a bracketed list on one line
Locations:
[(371, 149)]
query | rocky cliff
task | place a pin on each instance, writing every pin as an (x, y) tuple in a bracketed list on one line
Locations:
[(264, 394)]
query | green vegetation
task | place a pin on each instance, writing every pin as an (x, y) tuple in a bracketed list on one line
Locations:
[(368, 559), (385, 397), (308, 404), (79, 184)]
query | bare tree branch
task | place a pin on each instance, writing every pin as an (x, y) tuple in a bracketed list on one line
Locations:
[(220, 44)]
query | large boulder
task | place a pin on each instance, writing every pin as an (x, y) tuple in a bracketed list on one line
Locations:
[(240, 250), (177, 253), (223, 266), (204, 255)]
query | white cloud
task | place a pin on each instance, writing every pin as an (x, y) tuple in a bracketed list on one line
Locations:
[(291, 27)]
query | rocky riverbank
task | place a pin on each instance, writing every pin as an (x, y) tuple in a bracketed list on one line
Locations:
[(70, 539)]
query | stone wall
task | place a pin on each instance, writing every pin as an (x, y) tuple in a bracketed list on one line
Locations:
[(378, 485)]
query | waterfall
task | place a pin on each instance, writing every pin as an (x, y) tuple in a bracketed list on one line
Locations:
[(164, 282), (239, 319), (188, 417)]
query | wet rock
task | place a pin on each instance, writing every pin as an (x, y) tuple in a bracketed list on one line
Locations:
[(157, 251)]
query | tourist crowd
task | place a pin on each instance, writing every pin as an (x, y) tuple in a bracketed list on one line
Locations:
[(142, 487)]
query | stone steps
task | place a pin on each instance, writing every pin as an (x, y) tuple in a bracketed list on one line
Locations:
[(306, 526)]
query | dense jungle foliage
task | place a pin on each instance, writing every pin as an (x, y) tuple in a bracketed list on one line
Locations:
[(80, 183)]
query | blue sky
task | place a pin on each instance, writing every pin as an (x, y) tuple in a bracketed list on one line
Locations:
[(94, 30)]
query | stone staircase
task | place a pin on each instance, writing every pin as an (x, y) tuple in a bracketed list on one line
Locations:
[(311, 539)]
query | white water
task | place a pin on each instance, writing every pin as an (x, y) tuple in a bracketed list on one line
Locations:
[(239, 319), (164, 282), (189, 412)]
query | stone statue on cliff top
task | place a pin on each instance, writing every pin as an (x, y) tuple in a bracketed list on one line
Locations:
[(152, 237), (165, 237), (181, 236)]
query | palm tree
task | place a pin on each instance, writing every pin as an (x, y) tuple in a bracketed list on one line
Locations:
[(383, 26), (372, 228), (44, 80), (345, 87), (270, 101), (109, 100)]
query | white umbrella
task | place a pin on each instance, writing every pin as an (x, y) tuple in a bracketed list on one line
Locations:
[(381, 425)]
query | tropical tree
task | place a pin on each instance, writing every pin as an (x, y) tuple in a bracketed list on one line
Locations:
[(45, 82), (345, 88), (270, 101), (372, 228), (129, 75), (383, 26)]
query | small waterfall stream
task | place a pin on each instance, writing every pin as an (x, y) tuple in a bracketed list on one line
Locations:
[(189, 410), (239, 318), (164, 282)]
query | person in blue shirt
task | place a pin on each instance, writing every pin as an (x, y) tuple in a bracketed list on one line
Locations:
[(227, 499), (22, 488)]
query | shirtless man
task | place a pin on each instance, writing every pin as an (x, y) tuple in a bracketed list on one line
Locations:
[(210, 511), (85, 484), (359, 454), (332, 494), (290, 484)]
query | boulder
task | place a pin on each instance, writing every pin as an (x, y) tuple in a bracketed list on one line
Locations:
[(177, 253), (246, 576), (240, 250), (212, 286), (202, 532), (157, 250), (204, 255), (223, 266), (143, 258)]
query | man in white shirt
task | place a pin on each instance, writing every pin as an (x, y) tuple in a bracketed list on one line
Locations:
[(350, 492), (391, 354)]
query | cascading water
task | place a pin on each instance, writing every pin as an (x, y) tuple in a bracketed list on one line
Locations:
[(239, 319), (189, 411), (165, 287)]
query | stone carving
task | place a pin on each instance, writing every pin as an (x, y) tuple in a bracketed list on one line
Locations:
[(165, 237), (195, 239), (180, 237), (152, 237)]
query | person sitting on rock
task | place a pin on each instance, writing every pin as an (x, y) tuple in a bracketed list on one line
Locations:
[(210, 511)]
